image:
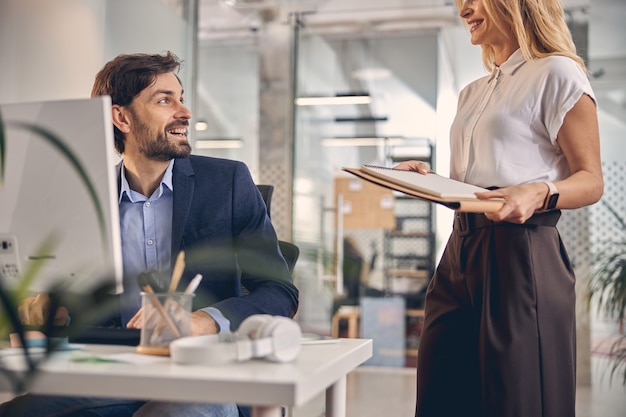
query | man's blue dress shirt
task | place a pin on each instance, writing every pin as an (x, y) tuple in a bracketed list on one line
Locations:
[(146, 229)]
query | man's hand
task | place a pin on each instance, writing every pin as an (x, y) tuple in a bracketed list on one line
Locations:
[(34, 311), (203, 323)]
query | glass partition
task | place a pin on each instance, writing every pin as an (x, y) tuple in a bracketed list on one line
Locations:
[(226, 120), (359, 100)]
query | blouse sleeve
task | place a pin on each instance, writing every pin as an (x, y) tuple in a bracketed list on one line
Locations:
[(565, 83)]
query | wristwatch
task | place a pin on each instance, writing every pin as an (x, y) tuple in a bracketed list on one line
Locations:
[(552, 197)]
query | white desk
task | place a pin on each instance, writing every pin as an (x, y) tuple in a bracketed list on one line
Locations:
[(264, 385)]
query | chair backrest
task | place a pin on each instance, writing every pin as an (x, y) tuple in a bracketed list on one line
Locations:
[(290, 251), (353, 267), (266, 192)]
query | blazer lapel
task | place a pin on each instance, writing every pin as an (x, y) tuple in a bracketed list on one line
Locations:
[(183, 183)]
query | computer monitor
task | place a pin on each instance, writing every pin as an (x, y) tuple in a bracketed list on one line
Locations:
[(42, 195)]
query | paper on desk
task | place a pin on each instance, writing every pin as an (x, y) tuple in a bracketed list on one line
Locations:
[(315, 339)]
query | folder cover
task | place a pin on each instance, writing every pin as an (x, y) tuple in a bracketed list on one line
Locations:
[(451, 193)]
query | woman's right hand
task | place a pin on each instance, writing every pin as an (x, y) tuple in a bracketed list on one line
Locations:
[(419, 166)]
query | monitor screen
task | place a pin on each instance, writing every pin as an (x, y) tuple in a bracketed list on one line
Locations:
[(44, 197)]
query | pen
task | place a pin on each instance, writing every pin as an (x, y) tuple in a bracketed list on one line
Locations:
[(193, 284)]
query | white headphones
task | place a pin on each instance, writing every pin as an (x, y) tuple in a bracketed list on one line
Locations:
[(274, 338)]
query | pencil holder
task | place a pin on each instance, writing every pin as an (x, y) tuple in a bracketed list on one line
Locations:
[(165, 317)]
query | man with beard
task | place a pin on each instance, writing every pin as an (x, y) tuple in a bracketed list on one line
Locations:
[(171, 201)]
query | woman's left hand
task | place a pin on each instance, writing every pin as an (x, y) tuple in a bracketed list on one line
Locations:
[(522, 201)]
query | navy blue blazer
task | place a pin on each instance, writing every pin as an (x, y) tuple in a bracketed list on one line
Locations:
[(220, 220)]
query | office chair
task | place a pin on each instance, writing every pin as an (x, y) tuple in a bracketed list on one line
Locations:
[(290, 252), (266, 192)]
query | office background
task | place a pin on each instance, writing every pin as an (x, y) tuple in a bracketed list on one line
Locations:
[(247, 60)]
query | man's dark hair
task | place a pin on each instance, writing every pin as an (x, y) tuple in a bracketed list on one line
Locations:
[(125, 76)]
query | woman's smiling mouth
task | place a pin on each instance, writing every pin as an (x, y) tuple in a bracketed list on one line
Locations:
[(474, 24)]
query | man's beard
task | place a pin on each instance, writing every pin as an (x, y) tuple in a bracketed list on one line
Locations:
[(160, 148)]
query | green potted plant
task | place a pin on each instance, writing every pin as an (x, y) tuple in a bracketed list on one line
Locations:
[(607, 287)]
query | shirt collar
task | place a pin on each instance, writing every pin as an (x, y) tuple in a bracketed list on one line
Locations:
[(509, 66), (165, 181), (167, 177)]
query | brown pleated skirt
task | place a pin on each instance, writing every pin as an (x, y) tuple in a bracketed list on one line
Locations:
[(499, 331)]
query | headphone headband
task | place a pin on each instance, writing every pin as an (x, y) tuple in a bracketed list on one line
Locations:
[(274, 338)]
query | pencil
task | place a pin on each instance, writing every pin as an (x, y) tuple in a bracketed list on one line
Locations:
[(177, 272)]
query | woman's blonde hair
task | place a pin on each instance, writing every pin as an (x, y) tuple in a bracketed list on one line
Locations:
[(538, 25)]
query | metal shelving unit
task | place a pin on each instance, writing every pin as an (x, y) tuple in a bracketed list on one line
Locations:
[(409, 249), (409, 254)]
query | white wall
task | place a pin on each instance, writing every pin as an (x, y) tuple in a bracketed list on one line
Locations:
[(50, 49), (612, 137), (53, 49)]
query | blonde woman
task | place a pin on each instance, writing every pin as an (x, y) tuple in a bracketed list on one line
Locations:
[(499, 332)]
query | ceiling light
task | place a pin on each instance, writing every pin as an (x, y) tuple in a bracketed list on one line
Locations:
[(220, 143), (370, 74), (363, 141), (201, 125), (339, 99)]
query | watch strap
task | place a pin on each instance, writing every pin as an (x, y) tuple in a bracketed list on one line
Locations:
[(552, 196)]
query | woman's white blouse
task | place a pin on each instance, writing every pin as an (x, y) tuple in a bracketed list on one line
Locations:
[(506, 124)]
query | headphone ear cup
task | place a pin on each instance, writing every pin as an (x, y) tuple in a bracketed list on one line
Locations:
[(251, 326), (285, 335)]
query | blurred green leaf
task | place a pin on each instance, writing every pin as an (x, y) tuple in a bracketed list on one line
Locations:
[(607, 285)]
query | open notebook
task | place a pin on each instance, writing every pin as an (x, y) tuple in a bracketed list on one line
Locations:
[(454, 194)]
